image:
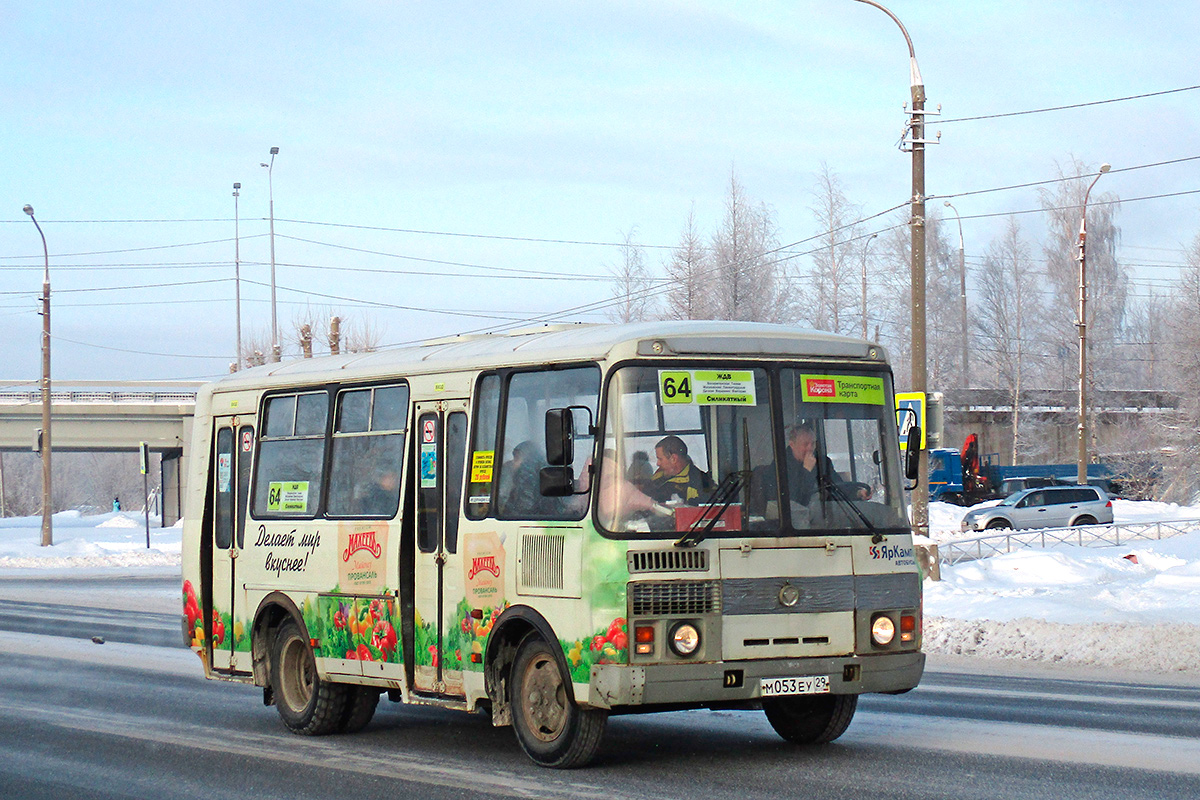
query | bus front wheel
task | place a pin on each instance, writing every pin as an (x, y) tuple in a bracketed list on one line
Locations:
[(551, 729), (307, 704), (814, 719)]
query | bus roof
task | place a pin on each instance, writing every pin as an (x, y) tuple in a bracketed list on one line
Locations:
[(563, 343)]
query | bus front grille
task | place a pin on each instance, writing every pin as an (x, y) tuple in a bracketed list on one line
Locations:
[(673, 560), (668, 598)]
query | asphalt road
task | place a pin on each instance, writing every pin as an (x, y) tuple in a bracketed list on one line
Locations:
[(134, 718)]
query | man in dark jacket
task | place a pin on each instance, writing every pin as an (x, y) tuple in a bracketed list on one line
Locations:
[(677, 478), (802, 473)]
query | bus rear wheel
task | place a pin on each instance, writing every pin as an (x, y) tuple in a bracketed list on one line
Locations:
[(361, 702), (307, 704), (815, 719), (551, 729)]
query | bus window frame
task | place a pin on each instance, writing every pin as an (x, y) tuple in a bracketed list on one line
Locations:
[(332, 435), (505, 376), (774, 368), (330, 391)]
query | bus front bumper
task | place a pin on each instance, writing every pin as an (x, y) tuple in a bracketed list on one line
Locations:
[(616, 685)]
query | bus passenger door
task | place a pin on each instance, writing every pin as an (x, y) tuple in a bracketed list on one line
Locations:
[(233, 444), (439, 584)]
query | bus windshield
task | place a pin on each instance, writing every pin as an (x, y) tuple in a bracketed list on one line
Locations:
[(721, 450)]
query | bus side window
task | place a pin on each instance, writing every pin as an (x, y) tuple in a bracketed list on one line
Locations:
[(223, 521), (368, 452), (530, 395), (456, 448), (482, 462), (291, 457)]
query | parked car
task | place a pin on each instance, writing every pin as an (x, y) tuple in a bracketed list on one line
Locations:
[(1044, 507)]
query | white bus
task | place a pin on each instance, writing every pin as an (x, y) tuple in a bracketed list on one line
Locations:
[(557, 525)]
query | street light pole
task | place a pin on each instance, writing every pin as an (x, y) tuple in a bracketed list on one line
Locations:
[(237, 278), (866, 246), (47, 509), (275, 351), (916, 126), (962, 296), (1081, 477)]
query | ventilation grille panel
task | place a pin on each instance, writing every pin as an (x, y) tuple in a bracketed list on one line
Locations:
[(674, 560), (542, 560), (668, 598)]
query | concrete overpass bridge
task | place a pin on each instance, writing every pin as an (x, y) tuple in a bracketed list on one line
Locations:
[(107, 416)]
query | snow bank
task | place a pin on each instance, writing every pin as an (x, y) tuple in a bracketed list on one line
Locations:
[(1162, 647), (101, 541)]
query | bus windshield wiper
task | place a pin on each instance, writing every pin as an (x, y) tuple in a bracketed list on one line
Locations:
[(724, 496), (835, 489)]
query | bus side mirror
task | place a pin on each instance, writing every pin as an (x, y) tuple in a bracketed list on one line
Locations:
[(912, 454), (560, 437), (557, 481)]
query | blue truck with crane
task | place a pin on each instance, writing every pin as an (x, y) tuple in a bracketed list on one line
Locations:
[(966, 477)]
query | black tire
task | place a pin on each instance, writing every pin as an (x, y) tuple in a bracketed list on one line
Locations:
[(1084, 521), (953, 498), (361, 702), (551, 729), (816, 719), (999, 524), (307, 704)]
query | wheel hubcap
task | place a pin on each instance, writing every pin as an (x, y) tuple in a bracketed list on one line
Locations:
[(545, 699), (298, 675)]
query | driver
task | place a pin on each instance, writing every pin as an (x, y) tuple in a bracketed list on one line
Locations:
[(677, 479), (801, 462)]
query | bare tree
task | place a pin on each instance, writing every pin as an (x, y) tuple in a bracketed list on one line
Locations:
[(1007, 318), (632, 283), (749, 278), (688, 270), (831, 291), (1180, 434)]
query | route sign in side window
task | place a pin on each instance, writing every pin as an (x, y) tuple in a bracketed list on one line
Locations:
[(291, 457)]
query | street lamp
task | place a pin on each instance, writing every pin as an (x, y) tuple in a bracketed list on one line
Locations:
[(916, 128), (1081, 477), (866, 246), (237, 278), (962, 296), (274, 318), (47, 525)]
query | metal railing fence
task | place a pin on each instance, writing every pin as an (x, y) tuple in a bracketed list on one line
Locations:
[(960, 550)]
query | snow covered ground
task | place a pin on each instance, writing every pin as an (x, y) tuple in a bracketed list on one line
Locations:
[(1133, 607)]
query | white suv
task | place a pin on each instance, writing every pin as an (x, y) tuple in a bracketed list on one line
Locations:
[(1045, 507)]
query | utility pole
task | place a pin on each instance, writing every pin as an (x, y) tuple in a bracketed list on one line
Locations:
[(866, 247), (962, 296), (915, 141), (47, 505), (275, 349), (237, 278), (1081, 467)]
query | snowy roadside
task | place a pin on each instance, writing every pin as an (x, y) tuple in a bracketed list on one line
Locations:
[(1128, 607)]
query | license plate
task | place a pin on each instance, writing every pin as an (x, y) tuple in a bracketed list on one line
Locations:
[(809, 684)]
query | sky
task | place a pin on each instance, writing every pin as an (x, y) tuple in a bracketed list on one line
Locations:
[(447, 167)]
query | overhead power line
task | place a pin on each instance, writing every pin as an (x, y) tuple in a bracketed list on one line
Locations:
[(1070, 106)]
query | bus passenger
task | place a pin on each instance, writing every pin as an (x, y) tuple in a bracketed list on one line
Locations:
[(678, 479), (802, 474), (521, 482)]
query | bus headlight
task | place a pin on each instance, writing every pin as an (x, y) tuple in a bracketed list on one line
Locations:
[(685, 639), (883, 630)]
